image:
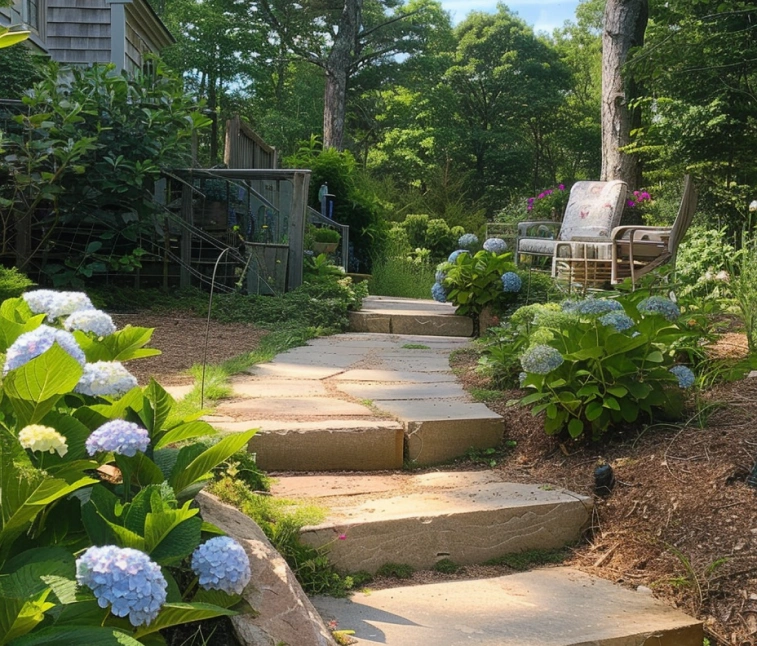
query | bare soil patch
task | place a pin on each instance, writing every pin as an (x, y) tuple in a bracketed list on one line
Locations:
[(181, 339), (681, 518)]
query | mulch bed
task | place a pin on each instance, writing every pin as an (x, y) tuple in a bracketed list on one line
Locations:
[(181, 339), (680, 520)]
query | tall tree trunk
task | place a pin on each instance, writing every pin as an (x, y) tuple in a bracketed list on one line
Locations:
[(337, 71), (625, 22)]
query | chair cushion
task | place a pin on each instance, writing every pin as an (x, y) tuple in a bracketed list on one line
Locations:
[(576, 250), (593, 210)]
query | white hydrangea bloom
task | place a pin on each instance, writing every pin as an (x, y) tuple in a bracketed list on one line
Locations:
[(36, 437), (105, 378), (57, 304), (95, 321)]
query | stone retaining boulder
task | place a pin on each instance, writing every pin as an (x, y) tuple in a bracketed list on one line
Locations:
[(283, 613)]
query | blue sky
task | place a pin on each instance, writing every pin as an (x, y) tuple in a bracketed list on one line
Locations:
[(542, 15)]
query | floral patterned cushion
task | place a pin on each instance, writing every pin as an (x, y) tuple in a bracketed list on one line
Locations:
[(593, 210)]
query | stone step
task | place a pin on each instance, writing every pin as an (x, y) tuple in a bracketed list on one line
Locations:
[(418, 520), (387, 315), (550, 607), (322, 445)]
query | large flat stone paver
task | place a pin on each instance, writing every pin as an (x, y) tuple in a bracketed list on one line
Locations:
[(294, 408), (390, 376), (293, 370), (468, 524), (260, 388), (550, 607), (373, 391), (437, 431)]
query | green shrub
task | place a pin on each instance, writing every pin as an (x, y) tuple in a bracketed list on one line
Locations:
[(599, 363), (703, 261), (95, 460), (472, 282), (325, 234), (13, 283)]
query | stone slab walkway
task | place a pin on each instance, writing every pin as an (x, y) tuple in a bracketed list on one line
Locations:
[(359, 402), (550, 607)]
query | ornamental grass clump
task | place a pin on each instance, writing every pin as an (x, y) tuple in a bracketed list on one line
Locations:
[(104, 476), (600, 363)]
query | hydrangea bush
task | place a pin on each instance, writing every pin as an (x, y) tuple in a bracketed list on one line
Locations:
[(475, 281), (111, 552), (597, 363)]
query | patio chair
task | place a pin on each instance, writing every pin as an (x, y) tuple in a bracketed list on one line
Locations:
[(593, 209), (637, 250)]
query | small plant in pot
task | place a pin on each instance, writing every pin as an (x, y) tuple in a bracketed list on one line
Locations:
[(325, 240)]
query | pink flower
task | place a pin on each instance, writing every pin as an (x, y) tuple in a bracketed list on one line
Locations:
[(541, 196), (342, 537), (631, 203), (548, 192), (530, 207), (561, 187)]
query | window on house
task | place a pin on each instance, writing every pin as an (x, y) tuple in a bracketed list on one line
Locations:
[(32, 13)]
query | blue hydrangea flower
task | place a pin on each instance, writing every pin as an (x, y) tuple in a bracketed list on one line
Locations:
[(105, 378), (453, 256), (30, 345), (660, 305), (95, 321), (467, 241), (440, 275), (124, 579), (685, 376), (618, 320), (119, 436), (592, 306), (222, 564), (522, 378), (495, 245), (439, 293), (541, 359), (511, 282)]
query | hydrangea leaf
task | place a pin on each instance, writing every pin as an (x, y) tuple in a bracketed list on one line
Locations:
[(207, 460), (28, 613), (35, 386), (156, 408), (67, 635), (174, 614), (172, 535), (183, 432), (123, 345)]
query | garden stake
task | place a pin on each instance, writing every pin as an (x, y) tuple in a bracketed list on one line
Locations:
[(207, 327)]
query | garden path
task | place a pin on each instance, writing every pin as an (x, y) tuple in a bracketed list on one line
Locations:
[(371, 403)]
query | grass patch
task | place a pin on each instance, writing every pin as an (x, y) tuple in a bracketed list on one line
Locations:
[(415, 346), (281, 520), (397, 276), (485, 394), (446, 566), (396, 570), (531, 558)]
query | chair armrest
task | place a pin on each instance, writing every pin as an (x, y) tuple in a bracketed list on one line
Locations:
[(630, 231), (523, 227)]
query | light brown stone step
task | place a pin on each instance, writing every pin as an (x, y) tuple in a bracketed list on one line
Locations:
[(550, 607), (418, 520), (381, 314), (322, 445)]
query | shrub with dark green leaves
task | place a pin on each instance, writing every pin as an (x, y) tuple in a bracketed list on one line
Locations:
[(98, 478), (599, 363)]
